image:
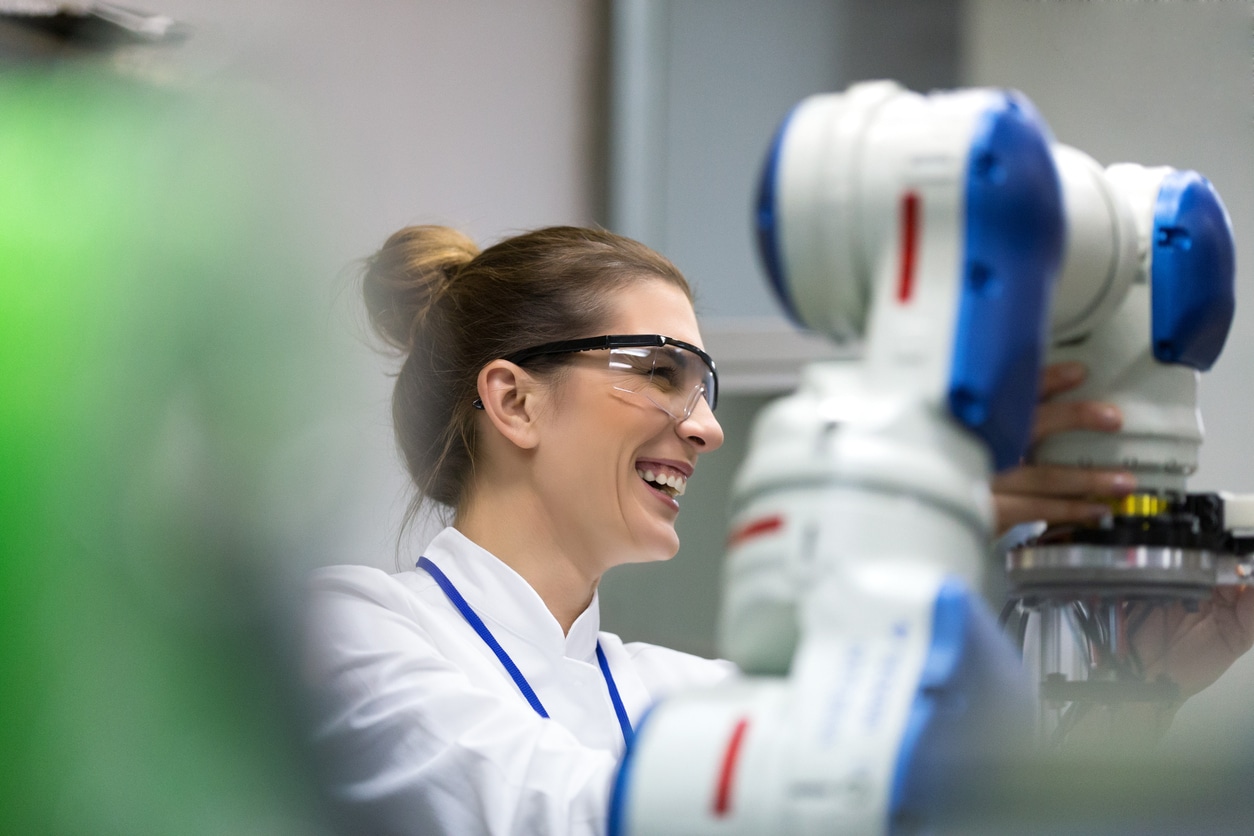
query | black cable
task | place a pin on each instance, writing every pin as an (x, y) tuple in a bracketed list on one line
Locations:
[(1006, 612)]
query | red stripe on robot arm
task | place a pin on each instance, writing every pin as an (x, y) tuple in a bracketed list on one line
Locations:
[(754, 528), (722, 795), (909, 243)]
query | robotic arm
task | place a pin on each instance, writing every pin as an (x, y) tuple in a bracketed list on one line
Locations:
[(879, 691), (931, 227), (1145, 301)]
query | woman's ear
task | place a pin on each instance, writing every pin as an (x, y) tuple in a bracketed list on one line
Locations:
[(511, 400)]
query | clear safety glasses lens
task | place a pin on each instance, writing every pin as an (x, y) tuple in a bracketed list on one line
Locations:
[(674, 379)]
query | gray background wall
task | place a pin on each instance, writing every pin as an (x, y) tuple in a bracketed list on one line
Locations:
[(486, 116)]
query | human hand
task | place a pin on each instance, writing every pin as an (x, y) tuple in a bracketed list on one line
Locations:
[(1056, 493), (1193, 648)]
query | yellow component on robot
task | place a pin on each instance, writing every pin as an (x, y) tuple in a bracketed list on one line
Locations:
[(1139, 505)]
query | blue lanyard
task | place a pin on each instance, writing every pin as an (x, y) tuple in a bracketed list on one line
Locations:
[(515, 674)]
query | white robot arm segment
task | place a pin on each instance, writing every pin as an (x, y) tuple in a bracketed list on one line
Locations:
[(1145, 301), (931, 226)]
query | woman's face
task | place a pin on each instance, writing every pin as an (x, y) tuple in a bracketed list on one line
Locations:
[(598, 439)]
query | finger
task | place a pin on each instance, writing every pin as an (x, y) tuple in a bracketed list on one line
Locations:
[(1062, 481), (1166, 625), (1243, 604), (1238, 623), (1063, 416), (1227, 596), (1147, 627), (1061, 377), (1234, 609), (1243, 613), (1013, 509)]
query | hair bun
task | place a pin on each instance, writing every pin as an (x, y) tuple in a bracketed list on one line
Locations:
[(405, 279)]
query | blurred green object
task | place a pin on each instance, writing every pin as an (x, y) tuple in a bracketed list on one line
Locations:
[(156, 355)]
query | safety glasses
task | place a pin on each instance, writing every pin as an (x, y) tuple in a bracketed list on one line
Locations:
[(672, 374)]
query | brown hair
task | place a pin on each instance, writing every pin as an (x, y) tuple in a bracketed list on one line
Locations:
[(452, 309)]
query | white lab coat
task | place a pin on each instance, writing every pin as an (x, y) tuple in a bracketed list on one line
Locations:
[(423, 730)]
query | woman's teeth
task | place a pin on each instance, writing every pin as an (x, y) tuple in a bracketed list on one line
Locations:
[(671, 483)]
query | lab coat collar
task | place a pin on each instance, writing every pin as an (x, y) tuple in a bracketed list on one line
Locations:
[(505, 601)]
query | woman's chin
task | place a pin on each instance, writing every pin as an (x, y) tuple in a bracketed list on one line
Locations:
[(661, 545), (655, 545)]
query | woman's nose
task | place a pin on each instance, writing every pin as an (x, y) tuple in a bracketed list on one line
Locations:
[(701, 428)]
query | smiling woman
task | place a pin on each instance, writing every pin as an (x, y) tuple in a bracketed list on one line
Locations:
[(556, 397)]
